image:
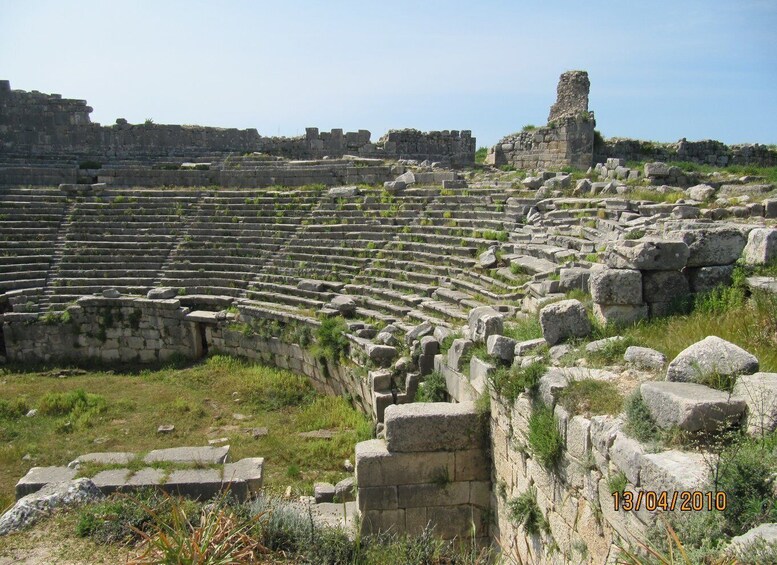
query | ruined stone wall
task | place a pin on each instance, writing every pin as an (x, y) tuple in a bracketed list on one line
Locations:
[(431, 470), (567, 142), (126, 329), (571, 96), (37, 124), (707, 152)]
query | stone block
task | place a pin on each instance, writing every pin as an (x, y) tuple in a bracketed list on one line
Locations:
[(550, 386), (200, 484), (704, 279), (380, 355), (664, 286), (457, 350), (323, 492), (620, 314), (455, 522), (770, 208), (721, 245), (386, 521), (616, 286), (626, 453), (657, 170), (483, 322), (691, 407), (761, 246), (573, 278), (647, 255), (248, 472), (501, 347), (376, 466), (429, 346), (418, 332), (377, 498), (432, 426), (753, 542), (759, 391), (37, 477), (645, 358), (675, 471), (206, 455), (710, 355), (578, 437), (472, 465), (111, 480), (433, 494), (524, 347), (562, 320), (344, 490)]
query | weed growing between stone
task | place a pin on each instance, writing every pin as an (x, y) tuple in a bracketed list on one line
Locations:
[(525, 512), (590, 397), (433, 389), (545, 440)]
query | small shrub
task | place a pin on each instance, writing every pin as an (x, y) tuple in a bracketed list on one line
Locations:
[(480, 155), (509, 382), (525, 512), (591, 397), (434, 389), (639, 422), (13, 409), (544, 438)]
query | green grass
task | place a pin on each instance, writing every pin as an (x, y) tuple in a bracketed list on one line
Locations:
[(509, 382), (480, 155), (124, 408), (544, 438), (591, 397), (434, 389), (617, 482), (639, 423), (525, 512), (523, 330)]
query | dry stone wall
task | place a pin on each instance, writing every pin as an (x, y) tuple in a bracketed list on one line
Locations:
[(36, 124)]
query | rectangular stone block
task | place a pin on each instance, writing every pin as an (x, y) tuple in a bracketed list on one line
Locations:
[(37, 477), (200, 484), (451, 522), (480, 493), (245, 474), (432, 494), (472, 465), (377, 498), (376, 466), (376, 521), (433, 426), (415, 520)]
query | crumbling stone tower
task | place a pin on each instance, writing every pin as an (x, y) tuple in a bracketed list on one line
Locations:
[(571, 97), (567, 140)]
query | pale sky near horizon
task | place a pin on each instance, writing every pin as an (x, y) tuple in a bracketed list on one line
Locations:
[(659, 70)]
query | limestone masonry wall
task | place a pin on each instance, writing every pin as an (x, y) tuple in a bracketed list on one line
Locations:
[(36, 124)]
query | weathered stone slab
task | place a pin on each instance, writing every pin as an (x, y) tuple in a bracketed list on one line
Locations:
[(162, 293), (205, 455), (710, 355), (248, 471), (38, 477), (376, 466), (647, 255), (458, 349), (620, 314), (759, 391), (432, 426), (704, 279), (645, 358), (761, 246), (712, 246), (550, 386), (674, 471), (324, 492), (380, 355), (616, 286), (200, 484), (103, 458), (344, 490), (111, 480), (763, 535), (483, 322), (626, 453), (501, 347), (562, 320), (691, 407)]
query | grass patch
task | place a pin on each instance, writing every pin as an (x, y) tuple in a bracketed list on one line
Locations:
[(617, 482), (591, 397), (480, 155), (331, 342), (544, 438), (509, 382), (610, 353), (639, 423), (127, 406), (434, 389), (525, 512), (523, 330)]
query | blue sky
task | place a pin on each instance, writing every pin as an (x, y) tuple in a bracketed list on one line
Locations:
[(659, 70)]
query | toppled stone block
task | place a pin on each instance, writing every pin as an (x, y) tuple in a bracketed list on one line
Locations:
[(343, 192), (345, 490), (458, 349), (573, 278), (620, 314), (501, 347), (162, 293), (691, 407), (429, 345), (245, 475), (759, 391), (700, 192), (432, 426), (647, 255), (324, 492), (721, 245), (483, 322), (488, 259), (645, 358), (394, 186), (419, 331), (407, 177), (657, 170), (111, 293), (562, 320), (311, 285), (602, 344), (550, 386), (763, 535), (710, 355), (616, 286), (344, 304), (524, 347), (380, 355), (761, 246), (32, 507)]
